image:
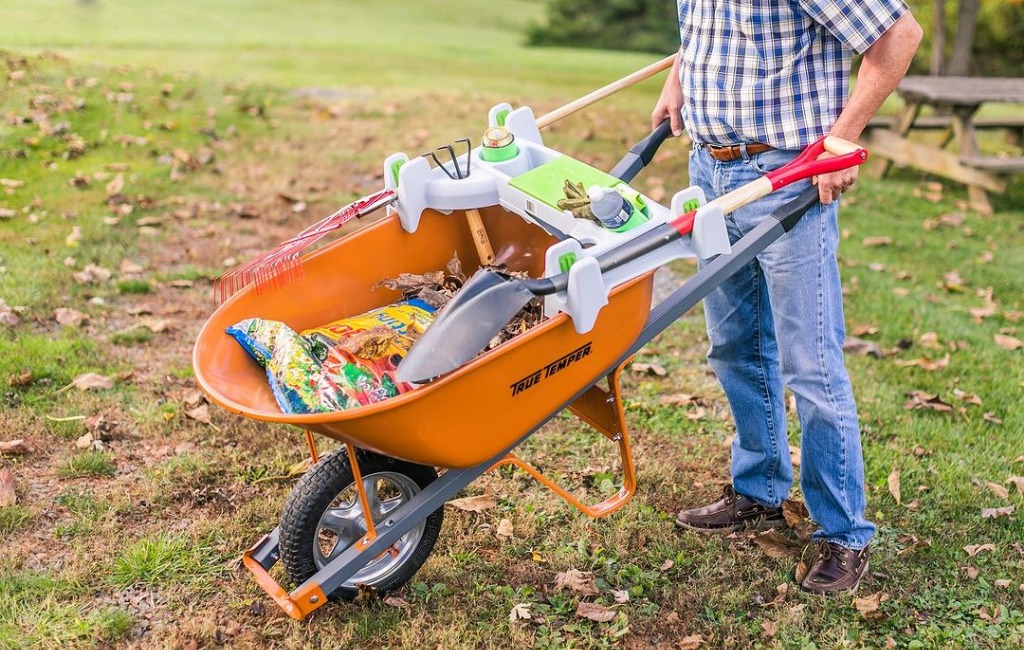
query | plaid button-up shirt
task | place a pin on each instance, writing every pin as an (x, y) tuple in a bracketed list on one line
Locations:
[(772, 71)]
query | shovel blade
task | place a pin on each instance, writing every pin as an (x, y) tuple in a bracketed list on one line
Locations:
[(465, 326)]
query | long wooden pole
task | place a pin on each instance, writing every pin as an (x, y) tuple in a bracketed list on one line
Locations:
[(601, 93)]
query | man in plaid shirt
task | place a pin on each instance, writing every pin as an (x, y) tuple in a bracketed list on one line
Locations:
[(755, 82)]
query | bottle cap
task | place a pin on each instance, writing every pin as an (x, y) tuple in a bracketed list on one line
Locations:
[(497, 137)]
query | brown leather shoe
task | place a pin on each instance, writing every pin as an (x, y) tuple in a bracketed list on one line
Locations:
[(731, 512), (835, 570)]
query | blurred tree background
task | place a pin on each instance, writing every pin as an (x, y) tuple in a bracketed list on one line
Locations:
[(979, 37)]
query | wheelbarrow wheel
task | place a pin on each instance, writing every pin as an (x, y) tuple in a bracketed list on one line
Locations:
[(324, 516)]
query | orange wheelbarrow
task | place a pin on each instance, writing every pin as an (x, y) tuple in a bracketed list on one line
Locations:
[(368, 515)]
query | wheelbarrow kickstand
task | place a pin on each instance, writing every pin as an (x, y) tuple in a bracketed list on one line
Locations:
[(601, 409)]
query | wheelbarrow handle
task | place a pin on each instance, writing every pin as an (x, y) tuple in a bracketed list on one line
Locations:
[(641, 153)]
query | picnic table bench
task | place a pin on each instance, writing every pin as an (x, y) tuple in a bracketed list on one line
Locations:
[(957, 99)]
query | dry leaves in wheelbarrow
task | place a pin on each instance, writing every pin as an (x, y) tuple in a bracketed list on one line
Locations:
[(437, 288)]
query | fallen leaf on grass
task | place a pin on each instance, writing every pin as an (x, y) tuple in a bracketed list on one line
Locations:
[(997, 513), (997, 490), (922, 400), (395, 601), (864, 330), (1018, 482), (691, 642), (193, 397), (648, 369), (505, 529), (88, 441), (200, 413), (769, 629), (22, 379), (970, 398), (666, 565), (953, 283), (91, 381), (868, 606), (8, 495), (974, 549), (925, 364), (912, 543), (595, 612), (582, 582), (520, 612), (92, 274), (986, 615), (798, 519), (894, 484), (991, 417), (300, 468), (776, 545), (873, 242), (366, 594), (1002, 584), (1008, 342), (14, 447), (115, 186), (69, 317), (863, 348), (473, 504), (8, 316), (971, 572), (621, 596)]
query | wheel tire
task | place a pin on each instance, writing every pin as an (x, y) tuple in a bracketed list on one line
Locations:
[(315, 493)]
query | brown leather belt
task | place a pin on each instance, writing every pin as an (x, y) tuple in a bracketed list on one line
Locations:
[(734, 152)]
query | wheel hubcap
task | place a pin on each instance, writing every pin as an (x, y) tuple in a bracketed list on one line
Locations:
[(344, 523)]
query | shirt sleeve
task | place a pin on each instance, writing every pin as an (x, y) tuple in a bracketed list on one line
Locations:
[(855, 23)]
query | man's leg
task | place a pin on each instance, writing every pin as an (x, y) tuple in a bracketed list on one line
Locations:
[(806, 294), (744, 357)]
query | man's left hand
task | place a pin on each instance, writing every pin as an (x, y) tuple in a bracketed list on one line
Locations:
[(830, 186)]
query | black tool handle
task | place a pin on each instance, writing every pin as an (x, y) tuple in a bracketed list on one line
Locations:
[(641, 154)]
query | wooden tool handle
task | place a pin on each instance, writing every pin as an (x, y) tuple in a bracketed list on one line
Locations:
[(601, 93), (480, 238), (838, 146)]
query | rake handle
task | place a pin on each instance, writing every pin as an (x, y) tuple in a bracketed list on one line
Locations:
[(605, 91)]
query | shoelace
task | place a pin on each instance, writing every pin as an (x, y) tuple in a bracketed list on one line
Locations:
[(824, 550), (730, 495)]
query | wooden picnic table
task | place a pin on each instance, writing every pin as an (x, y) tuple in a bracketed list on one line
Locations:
[(960, 98)]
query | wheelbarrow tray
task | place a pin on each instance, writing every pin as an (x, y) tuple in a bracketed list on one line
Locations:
[(468, 416)]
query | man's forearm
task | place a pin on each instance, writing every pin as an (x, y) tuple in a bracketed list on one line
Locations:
[(884, 65)]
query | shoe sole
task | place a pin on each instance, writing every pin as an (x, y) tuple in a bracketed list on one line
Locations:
[(753, 525), (849, 591)]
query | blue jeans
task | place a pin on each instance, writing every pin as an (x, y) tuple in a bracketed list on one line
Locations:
[(779, 322)]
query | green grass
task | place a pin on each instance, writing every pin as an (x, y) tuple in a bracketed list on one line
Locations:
[(13, 518), (390, 48), (88, 464), (41, 611), (86, 511), (164, 560)]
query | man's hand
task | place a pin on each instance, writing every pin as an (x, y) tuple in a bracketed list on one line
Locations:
[(830, 186), (670, 104)]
